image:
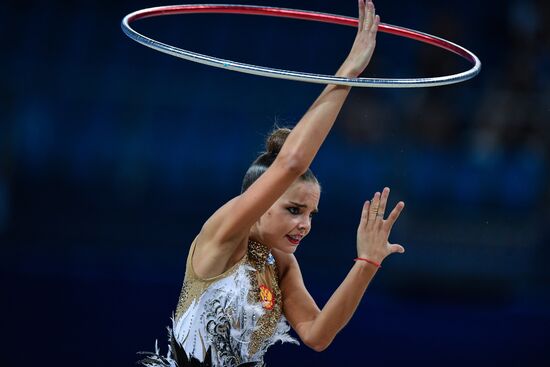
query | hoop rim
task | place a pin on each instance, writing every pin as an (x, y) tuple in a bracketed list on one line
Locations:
[(295, 75)]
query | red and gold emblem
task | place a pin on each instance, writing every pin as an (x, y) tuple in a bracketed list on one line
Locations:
[(267, 298)]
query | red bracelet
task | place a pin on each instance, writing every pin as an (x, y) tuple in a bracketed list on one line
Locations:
[(369, 261)]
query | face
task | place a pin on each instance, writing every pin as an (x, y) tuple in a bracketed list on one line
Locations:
[(288, 220)]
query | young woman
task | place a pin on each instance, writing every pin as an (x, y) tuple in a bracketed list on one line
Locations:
[(242, 280)]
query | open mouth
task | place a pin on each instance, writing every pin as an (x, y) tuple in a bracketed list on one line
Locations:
[(294, 240)]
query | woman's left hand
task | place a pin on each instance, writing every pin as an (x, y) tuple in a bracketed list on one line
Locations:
[(374, 230)]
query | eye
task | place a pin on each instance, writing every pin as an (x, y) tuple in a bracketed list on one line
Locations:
[(294, 210), (312, 214)]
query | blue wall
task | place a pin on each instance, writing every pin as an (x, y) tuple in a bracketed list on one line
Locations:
[(113, 155)]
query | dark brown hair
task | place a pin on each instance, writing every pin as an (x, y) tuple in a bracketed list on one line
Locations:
[(273, 145)]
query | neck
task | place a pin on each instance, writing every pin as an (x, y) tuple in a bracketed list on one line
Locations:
[(258, 253), (255, 236)]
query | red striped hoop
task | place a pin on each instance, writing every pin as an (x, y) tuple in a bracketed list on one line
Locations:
[(294, 75)]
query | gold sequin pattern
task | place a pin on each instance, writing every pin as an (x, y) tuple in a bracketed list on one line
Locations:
[(257, 254), (264, 275)]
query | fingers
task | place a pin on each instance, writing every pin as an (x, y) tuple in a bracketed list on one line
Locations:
[(376, 24), (396, 248), (365, 214), (369, 18), (376, 209), (361, 5), (383, 202), (373, 212), (395, 214)]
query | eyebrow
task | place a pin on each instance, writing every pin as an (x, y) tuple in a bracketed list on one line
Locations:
[(316, 210)]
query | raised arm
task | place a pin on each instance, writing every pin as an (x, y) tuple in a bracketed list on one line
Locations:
[(230, 225)]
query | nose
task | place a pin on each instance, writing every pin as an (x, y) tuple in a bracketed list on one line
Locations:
[(304, 226)]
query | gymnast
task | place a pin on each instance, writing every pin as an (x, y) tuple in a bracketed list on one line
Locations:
[(243, 285)]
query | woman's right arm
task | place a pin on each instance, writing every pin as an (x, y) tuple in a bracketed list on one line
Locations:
[(227, 228)]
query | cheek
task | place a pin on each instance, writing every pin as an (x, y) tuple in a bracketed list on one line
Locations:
[(282, 223), (270, 222)]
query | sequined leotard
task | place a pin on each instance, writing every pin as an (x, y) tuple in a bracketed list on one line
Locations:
[(232, 318)]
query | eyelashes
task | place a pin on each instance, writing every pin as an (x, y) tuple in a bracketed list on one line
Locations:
[(296, 211)]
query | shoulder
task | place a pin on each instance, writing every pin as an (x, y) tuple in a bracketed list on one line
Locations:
[(210, 260), (210, 227), (285, 263)]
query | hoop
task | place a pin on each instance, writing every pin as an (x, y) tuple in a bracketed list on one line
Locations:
[(295, 75)]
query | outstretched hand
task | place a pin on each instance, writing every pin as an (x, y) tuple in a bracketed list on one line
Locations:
[(365, 40), (374, 230)]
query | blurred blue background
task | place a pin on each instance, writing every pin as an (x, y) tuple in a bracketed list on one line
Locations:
[(112, 156)]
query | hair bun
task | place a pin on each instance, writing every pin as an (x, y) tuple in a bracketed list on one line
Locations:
[(275, 140)]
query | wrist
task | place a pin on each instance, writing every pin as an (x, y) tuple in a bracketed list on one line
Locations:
[(368, 261), (365, 269), (371, 256), (347, 71)]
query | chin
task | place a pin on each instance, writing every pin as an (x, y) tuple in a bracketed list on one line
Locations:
[(287, 248), (290, 249)]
